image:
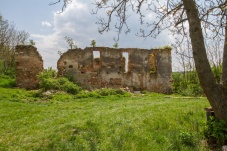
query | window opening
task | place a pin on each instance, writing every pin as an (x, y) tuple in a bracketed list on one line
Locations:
[(96, 54), (125, 56)]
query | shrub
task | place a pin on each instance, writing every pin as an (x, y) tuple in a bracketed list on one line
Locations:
[(7, 81), (186, 138), (93, 43), (186, 84), (216, 132), (70, 77), (110, 91), (49, 81), (98, 93), (68, 86), (47, 73)]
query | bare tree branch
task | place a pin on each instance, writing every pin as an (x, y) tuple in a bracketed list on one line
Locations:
[(65, 3)]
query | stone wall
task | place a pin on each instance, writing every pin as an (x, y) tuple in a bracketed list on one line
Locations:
[(28, 65), (137, 69)]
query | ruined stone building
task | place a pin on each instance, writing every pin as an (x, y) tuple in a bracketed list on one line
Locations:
[(28, 65), (137, 69), (99, 67)]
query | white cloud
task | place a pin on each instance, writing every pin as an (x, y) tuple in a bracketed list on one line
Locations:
[(78, 23), (46, 24)]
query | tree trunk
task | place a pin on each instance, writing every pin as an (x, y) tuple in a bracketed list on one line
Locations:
[(216, 94), (224, 63)]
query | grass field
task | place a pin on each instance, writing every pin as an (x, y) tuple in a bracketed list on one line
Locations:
[(152, 122)]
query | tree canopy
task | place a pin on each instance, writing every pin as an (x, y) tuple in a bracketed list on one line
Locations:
[(9, 38)]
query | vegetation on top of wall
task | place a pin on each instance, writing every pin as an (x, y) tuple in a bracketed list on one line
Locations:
[(71, 43), (115, 45), (163, 47), (93, 43), (32, 42)]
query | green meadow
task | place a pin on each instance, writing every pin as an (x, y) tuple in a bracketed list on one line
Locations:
[(62, 121)]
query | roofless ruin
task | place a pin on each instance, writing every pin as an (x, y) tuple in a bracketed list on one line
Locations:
[(99, 67)]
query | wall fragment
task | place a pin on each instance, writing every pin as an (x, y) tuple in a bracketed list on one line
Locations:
[(140, 69), (29, 64)]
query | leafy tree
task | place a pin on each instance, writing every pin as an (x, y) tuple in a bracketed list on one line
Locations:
[(60, 53), (31, 42), (71, 43), (9, 38), (93, 43)]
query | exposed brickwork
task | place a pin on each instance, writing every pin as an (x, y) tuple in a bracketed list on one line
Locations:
[(28, 65), (138, 69)]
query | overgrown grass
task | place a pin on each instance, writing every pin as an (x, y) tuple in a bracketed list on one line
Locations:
[(151, 122), (50, 81), (7, 81)]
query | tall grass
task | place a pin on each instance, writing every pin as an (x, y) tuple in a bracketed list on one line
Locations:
[(65, 122), (7, 81)]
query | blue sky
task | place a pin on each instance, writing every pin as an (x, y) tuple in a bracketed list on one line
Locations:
[(48, 29)]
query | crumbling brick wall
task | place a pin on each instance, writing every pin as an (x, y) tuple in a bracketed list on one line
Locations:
[(29, 64), (137, 69)]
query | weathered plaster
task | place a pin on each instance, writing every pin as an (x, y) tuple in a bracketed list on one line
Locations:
[(147, 69)]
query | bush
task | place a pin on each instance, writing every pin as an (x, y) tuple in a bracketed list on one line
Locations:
[(7, 81), (187, 139), (47, 74), (110, 91), (49, 81), (186, 84), (98, 93), (216, 132)]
